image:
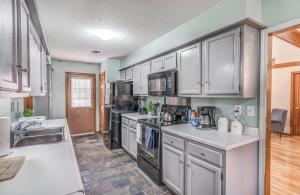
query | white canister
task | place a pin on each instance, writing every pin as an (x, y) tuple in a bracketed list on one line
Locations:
[(4, 136), (223, 124), (236, 128)]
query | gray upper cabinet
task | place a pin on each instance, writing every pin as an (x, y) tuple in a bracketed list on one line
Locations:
[(173, 168), (8, 46), (221, 63), (43, 71), (145, 71), (122, 75), (169, 61), (157, 65), (128, 74), (23, 46), (202, 177), (189, 62), (166, 62), (136, 79)]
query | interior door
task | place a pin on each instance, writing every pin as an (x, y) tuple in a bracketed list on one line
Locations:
[(296, 104), (103, 112), (81, 102)]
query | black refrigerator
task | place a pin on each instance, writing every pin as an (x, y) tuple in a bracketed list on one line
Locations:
[(119, 99)]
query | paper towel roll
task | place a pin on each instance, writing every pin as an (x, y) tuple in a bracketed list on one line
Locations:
[(4, 136)]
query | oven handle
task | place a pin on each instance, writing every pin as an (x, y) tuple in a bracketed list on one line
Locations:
[(154, 129)]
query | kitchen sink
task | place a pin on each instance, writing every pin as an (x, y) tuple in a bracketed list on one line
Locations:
[(40, 139), (47, 131)]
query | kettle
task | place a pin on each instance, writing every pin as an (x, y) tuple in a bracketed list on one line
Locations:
[(168, 117)]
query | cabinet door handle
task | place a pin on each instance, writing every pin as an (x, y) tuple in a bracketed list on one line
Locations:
[(181, 162), (188, 165), (24, 70)]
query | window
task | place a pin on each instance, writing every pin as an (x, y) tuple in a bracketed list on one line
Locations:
[(81, 92)]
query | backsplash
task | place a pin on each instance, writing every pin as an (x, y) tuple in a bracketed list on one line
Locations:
[(12, 107), (225, 107)]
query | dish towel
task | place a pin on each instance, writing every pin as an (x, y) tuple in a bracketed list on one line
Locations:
[(149, 138)]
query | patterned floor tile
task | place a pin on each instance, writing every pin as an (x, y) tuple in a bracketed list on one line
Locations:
[(107, 172)]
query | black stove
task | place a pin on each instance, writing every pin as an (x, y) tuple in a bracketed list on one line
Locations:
[(149, 154)]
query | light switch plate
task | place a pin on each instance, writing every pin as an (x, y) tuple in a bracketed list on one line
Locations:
[(238, 110), (250, 111)]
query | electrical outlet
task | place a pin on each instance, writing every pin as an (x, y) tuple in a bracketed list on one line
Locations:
[(238, 110), (250, 111)]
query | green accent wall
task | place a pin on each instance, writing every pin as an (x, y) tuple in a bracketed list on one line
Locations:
[(279, 11), (225, 13)]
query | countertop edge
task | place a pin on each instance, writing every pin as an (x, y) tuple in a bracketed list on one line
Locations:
[(210, 143)]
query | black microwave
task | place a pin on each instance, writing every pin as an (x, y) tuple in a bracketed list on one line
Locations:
[(163, 83)]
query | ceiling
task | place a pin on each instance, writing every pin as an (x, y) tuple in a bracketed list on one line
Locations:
[(72, 26), (291, 35)]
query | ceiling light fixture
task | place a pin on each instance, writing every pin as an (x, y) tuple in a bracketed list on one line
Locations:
[(96, 51), (298, 29), (105, 34)]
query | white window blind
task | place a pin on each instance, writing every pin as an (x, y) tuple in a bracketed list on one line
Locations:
[(81, 92)]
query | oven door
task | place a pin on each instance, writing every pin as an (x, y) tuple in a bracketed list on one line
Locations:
[(157, 84), (149, 148)]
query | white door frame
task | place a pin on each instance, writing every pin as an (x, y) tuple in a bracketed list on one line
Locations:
[(263, 97)]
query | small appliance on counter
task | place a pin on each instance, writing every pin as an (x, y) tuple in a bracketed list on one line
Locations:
[(237, 128), (206, 117), (149, 139), (223, 124)]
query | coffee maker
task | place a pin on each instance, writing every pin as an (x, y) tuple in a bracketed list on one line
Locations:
[(207, 116)]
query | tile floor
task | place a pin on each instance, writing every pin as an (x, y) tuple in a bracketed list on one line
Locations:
[(111, 172)]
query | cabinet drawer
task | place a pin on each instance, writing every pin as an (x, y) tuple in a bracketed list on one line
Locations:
[(132, 124), (212, 156), (124, 121), (173, 141)]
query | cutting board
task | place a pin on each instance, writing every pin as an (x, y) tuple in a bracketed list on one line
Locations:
[(10, 166)]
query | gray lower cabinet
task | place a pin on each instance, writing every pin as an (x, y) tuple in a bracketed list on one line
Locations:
[(202, 177), (125, 137), (189, 63), (173, 168), (8, 46), (129, 136), (221, 63), (132, 144)]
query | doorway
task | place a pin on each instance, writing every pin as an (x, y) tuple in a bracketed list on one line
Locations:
[(80, 102), (280, 95)]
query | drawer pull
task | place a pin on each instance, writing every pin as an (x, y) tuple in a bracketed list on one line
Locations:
[(202, 154), (188, 165), (171, 142), (181, 162)]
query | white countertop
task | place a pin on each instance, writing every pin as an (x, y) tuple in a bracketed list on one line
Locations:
[(49, 169), (224, 141), (137, 116)]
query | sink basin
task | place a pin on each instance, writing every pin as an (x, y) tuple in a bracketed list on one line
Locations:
[(42, 139), (47, 131)]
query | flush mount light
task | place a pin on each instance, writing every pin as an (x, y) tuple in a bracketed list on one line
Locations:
[(105, 34), (96, 51), (298, 29)]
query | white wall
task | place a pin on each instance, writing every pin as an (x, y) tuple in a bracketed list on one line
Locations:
[(281, 77), (60, 67)]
